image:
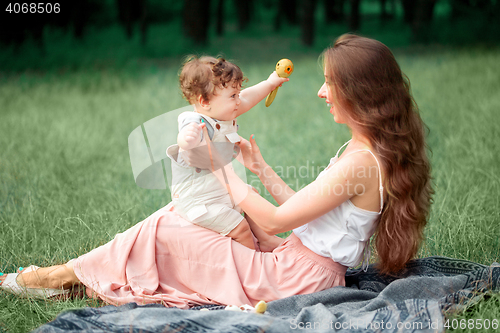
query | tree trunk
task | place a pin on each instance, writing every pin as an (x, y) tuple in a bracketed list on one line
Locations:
[(125, 15), (243, 12), (329, 11), (129, 12), (495, 13), (339, 9), (219, 16), (196, 19), (387, 10), (409, 7), (334, 10), (354, 17), (143, 21), (80, 15), (286, 10), (307, 24), (421, 26), (289, 8), (383, 9)]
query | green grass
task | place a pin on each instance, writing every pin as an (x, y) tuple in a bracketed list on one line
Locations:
[(66, 184)]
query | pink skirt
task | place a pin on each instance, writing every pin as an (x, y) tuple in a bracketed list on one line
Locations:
[(165, 259)]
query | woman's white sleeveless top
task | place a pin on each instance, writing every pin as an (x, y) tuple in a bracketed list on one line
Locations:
[(343, 233)]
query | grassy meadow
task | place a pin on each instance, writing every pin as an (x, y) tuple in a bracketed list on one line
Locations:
[(66, 183)]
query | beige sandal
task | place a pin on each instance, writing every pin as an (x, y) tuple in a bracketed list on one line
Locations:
[(10, 285)]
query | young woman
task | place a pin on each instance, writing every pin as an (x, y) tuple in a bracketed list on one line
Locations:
[(380, 185)]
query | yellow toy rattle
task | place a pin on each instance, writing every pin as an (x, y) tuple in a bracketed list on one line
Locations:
[(284, 68)]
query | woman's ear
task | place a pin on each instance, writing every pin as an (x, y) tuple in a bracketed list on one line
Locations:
[(204, 103)]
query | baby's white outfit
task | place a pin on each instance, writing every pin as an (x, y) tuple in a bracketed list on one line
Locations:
[(197, 194), (343, 233)]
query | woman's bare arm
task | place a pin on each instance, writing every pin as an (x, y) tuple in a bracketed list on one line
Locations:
[(273, 183), (251, 157), (324, 194)]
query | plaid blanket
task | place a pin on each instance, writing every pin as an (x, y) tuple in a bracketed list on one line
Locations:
[(412, 301)]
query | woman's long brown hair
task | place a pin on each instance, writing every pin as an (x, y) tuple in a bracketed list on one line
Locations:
[(375, 98)]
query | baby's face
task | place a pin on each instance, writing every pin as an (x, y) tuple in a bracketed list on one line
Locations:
[(224, 103)]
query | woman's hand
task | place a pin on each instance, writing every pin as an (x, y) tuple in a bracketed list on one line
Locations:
[(252, 158)]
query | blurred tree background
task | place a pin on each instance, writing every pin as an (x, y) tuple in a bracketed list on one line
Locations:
[(97, 30)]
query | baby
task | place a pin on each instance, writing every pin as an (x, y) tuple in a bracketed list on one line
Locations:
[(213, 87)]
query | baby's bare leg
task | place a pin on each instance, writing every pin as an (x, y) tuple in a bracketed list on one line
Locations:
[(243, 234), (267, 243)]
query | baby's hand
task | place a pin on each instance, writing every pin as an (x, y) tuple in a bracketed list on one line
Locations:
[(190, 136), (275, 80)]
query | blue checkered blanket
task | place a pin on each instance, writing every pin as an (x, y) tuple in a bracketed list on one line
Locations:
[(415, 300)]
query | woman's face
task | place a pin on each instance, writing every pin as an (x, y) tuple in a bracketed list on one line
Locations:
[(328, 93)]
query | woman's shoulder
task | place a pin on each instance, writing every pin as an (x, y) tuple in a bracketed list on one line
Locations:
[(358, 159), (362, 170), (359, 166)]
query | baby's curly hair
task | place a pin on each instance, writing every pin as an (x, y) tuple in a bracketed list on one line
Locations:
[(201, 76)]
